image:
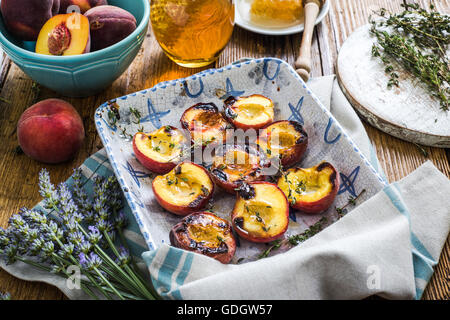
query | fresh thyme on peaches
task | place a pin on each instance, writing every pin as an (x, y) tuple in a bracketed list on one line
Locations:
[(284, 139), (310, 190), (205, 233), (252, 112), (261, 212), (205, 124), (158, 151), (185, 189)]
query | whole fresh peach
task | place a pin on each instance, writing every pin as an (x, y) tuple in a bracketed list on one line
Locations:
[(84, 5), (50, 131), (25, 18)]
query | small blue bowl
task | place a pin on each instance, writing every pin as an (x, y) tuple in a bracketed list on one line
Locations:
[(82, 75)]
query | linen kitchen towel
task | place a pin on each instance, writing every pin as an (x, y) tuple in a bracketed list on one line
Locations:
[(386, 246)]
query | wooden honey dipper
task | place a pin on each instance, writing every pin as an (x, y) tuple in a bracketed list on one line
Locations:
[(303, 62)]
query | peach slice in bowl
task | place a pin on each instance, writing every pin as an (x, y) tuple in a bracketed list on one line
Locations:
[(159, 151), (261, 212), (235, 164), (184, 190), (206, 124), (284, 139), (65, 35), (252, 112), (310, 190), (205, 233)]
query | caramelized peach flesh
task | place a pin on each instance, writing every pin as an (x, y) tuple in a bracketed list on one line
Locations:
[(252, 112), (158, 151), (206, 124), (205, 233), (284, 139), (64, 35), (184, 190), (311, 190), (261, 212), (237, 164)]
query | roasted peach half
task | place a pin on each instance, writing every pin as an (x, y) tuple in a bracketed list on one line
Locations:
[(252, 112), (65, 35), (237, 164), (284, 139), (205, 124), (184, 190), (311, 190), (158, 151), (205, 233), (261, 212)]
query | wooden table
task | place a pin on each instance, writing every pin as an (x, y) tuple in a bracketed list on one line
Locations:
[(19, 174)]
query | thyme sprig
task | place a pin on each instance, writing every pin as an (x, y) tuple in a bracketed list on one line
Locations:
[(351, 201), (295, 240), (418, 40)]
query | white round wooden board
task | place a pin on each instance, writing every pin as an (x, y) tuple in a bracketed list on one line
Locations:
[(407, 112)]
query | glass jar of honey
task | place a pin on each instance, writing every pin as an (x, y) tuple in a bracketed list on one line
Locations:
[(192, 33)]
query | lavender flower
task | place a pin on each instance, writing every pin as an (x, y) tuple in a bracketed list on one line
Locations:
[(73, 230), (5, 296), (94, 235), (120, 222), (124, 257)]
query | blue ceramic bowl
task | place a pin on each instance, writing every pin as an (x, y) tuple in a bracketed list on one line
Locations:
[(86, 74)]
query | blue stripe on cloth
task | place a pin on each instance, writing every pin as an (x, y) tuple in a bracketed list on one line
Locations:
[(422, 260), (170, 264), (182, 275)]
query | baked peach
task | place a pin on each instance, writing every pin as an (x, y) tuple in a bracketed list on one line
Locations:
[(252, 112), (184, 190), (25, 18), (284, 139), (311, 190), (261, 212), (205, 123), (205, 233), (109, 25), (237, 164), (64, 35), (84, 5), (158, 151)]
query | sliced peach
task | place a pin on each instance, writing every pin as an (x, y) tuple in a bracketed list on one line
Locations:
[(235, 165), (206, 124), (261, 212), (252, 112), (64, 35), (311, 190), (158, 151), (284, 139), (205, 233), (184, 190)]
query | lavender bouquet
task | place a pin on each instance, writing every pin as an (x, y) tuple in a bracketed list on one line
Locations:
[(78, 233)]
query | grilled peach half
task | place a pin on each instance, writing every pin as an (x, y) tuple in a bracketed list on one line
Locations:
[(184, 190), (205, 124), (252, 112), (284, 139), (159, 150), (235, 165), (311, 190), (205, 233), (261, 212)]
